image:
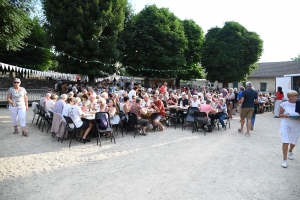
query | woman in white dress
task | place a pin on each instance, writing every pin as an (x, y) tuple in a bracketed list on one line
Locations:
[(290, 126)]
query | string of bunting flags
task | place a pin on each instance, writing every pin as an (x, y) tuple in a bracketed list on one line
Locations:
[(36, 72), (108, 64)]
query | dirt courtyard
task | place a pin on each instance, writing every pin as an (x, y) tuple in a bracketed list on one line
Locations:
[(173, 164)]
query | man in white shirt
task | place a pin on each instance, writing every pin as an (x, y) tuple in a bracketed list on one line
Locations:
[(132, 92), (93, 99), (104, 95), (122, 97), (146, 103), (121, 91), (75, 113)]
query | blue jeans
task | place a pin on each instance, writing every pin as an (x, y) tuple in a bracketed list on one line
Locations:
[(219, 116), (221, 119)]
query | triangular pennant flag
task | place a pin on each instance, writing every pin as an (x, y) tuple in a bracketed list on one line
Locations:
[(6, 66), (10, 67), (17, 69), (2, 65), (14, 68)]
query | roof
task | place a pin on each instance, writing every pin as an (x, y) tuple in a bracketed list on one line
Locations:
[(276, 69)]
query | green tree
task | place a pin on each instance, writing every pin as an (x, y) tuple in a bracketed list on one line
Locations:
[(87, 30), (192, 53), (296, 58), (230, 53), (14, 25), (32, 57), (157, 43)]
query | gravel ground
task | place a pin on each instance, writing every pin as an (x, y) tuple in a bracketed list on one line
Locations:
[(173, 164)]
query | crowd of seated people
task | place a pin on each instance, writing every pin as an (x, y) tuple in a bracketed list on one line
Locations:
[(137, 99)]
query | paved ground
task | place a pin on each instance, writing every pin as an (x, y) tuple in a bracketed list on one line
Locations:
[(173, 164)]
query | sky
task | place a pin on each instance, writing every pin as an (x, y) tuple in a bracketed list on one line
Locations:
[(277, 21)]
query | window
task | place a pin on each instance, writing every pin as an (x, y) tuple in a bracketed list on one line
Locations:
[(235, 85), (263, 87)]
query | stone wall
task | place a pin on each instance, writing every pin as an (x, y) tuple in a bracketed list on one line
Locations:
[(271, 84)]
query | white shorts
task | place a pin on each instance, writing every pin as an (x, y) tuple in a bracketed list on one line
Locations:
[(290, 132)]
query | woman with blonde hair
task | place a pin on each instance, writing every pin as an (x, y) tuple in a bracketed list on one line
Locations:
[(18, 104), (103, 105)]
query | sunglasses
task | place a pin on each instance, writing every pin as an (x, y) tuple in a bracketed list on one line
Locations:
[(16, 82)]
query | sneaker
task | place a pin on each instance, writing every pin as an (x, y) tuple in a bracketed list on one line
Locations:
[(284, 164), (240, 131), (291, 156), (222, 129)]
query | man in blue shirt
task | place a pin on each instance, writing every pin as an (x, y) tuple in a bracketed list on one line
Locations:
[(249, 97), (239, 97)]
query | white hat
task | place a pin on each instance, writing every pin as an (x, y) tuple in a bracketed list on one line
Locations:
[(183, 93)]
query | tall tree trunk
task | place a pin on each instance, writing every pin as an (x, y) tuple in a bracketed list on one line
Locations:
[(177, 82), (91, 80), (146, 82), (225, 84)]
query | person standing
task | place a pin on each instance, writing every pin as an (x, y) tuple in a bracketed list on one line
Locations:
[(279, 97), (239, 97), (18, 104), (230, 102), (163, 88), (249, 97), (133, 92), (289, 127)]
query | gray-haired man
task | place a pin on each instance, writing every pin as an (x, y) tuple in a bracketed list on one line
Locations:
[(249, 97)]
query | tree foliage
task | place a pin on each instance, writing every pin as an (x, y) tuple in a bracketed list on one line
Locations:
[(87, 30), (32, 58), (230, 53), (296, 58), (157, 43), (14, 25), (192, 53)]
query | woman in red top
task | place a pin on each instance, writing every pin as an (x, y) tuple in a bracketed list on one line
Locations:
[(279, 97)]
